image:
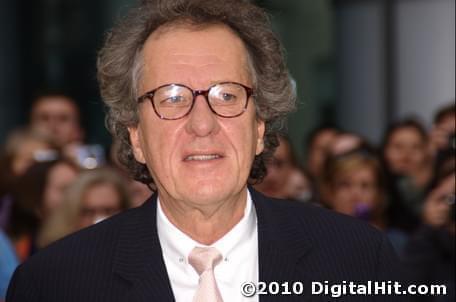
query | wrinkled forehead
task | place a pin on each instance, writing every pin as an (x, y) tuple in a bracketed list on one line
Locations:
[(201, 47), (187, 26)]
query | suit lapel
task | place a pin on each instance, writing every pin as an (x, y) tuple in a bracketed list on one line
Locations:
[(138, 257), (139, 260), (281, 242)]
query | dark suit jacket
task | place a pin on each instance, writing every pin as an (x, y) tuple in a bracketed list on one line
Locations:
[(120, 259)]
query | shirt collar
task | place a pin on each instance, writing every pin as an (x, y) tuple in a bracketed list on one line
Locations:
[(178, 245)]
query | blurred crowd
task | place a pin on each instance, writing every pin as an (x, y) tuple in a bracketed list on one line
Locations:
[(404, 187), (52, 184)]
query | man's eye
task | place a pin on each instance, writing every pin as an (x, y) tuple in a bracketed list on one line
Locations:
[(177, 99), (228, 97)]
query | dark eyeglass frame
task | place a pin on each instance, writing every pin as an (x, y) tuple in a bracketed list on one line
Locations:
[(150, 95)]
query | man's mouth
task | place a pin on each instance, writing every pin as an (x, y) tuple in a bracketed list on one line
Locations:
[(201, 157)]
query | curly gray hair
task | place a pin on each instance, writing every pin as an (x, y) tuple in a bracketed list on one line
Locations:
[(120, 66)]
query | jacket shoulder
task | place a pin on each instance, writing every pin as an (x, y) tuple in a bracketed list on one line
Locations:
[(324, 223), (100, 238), (339, 246), (85, 257)]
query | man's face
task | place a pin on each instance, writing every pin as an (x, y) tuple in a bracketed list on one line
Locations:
[(60, 177), (406, 151), (179, 152), (100, 201), (318, 151), (279, 170), (355, 188), (58, 117)]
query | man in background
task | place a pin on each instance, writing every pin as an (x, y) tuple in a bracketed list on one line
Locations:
[(58, 116)]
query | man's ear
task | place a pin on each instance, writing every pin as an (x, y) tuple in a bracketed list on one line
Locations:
[(135, 139), (260, 139)]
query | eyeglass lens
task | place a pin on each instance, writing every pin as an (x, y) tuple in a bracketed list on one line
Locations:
[(174, 101)]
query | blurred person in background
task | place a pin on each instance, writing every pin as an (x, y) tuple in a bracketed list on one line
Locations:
[(138, 191), (409, 167), (437, 208), (35, 195), (443, 140), (405, 150), (61, 173), (299, 185), (279, 168), (317, 145), (57, 115), (96, 195), (8, 263), (345, 142), (23, 148), (317, 151), (430, 254), (356, 186), (443, 131)]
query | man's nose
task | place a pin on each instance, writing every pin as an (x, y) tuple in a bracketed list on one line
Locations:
[(202, 121)]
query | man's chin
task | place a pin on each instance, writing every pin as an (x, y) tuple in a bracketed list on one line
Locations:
[(208, 194)]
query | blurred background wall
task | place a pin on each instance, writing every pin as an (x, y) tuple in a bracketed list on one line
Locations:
[(395, 58), (359, 64)]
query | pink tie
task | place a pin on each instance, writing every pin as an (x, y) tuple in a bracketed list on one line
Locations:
[(203, 260)]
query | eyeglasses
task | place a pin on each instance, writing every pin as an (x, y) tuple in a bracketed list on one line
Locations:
[(174, 101)]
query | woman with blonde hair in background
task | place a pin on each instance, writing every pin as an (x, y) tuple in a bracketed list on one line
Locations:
[(94, 196), (356, 187)]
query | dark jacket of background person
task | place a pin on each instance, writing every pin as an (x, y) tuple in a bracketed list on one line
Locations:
[(121, 258), (430, 255)]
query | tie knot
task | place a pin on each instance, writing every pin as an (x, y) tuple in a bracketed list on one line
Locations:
[(204, 258)]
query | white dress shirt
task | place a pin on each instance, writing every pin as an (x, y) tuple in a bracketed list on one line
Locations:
[(239, 248)]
